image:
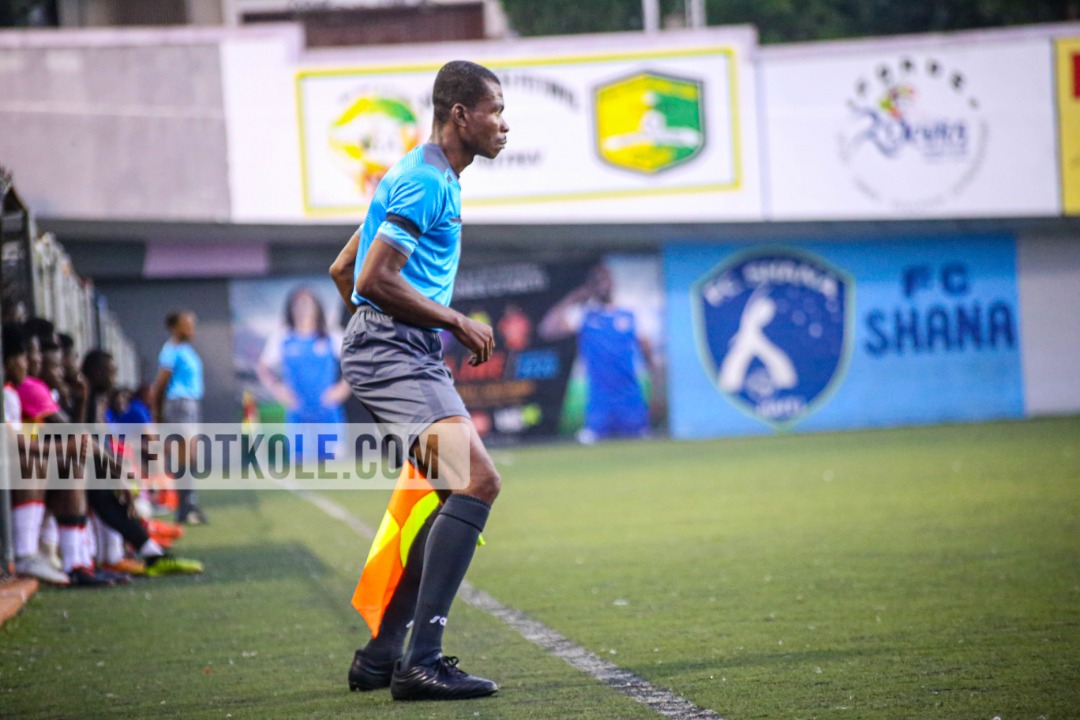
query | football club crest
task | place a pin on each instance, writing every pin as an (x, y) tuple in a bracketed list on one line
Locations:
[(648, 122), (773, 331)]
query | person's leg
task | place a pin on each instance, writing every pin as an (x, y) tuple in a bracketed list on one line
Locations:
[(71, 510), (27, 514), (184, 412), (389, 644), (423, 672), (114, 514), (49, 545), (373, 664)]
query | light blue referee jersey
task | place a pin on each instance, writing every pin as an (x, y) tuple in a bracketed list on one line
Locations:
[(417, 210), (187, 370)]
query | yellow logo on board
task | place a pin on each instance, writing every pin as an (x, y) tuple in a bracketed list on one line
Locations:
[(649, 122)]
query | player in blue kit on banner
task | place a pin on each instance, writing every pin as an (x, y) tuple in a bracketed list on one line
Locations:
[(301, 368), (612, 351), (398, 270)]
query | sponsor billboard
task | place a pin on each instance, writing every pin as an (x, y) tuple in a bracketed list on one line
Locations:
[(819, 336), (613, 135), (896, 130), (1068, 104)]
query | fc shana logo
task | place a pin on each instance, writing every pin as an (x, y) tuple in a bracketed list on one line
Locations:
[(773, 329)]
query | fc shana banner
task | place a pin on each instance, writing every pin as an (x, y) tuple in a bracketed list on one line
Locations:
[(616, 136)]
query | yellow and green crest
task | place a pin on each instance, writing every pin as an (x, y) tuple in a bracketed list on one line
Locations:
[(649, 122)]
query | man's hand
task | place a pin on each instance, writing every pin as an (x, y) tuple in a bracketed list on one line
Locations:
[(579, 295), (127, 499), (477, 338)]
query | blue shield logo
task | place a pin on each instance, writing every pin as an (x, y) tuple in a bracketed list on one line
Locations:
[(773, 329)]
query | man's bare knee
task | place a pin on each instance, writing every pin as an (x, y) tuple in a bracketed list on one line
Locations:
[(484, 483)]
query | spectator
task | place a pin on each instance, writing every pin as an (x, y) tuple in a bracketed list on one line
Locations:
[(73, 379), (118, 512), (25, 397)]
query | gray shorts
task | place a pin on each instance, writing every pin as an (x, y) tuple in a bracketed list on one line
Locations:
[(397, 371), (180, 410)]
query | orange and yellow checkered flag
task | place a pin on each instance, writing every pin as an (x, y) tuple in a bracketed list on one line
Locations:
[(407, 512)]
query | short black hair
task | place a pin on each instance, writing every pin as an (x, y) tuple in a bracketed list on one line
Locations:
[(66, 342), (13, 341), (173, 318), (460, 81), (44, 330), (95, 361)]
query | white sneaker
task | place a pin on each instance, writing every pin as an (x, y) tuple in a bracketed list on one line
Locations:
[(39, 567), (51, 553)]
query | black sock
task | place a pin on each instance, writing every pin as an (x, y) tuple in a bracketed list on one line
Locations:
[(390, 641), (450, 548)]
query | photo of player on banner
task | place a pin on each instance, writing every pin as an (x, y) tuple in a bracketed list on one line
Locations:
[(578, 352), (286, 349), (615, 389)]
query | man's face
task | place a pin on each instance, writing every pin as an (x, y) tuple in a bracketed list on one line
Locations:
[(485, 129), (71, 364), (186, 326), (15, 369), (103, 377), (52, 368), (110, 374), (33, 356), (600, 283)]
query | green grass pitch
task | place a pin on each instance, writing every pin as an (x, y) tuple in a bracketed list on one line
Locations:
[(914, 573)]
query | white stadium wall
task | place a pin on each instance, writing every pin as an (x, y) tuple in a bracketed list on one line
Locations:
[(264, 163), (105, 126), (1049, 280)]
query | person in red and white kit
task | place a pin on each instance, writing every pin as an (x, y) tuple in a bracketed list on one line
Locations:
[(28, 399)]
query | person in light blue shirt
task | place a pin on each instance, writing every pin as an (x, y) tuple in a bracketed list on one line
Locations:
[(177, 394), (398, 270)]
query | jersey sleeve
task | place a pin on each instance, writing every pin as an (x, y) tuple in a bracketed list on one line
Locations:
[(413, 207), (167, 357), (12, 408)]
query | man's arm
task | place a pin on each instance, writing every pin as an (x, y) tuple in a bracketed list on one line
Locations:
[(380, 280), (157, 393), (341, 271), (657, 384), (556, 323)]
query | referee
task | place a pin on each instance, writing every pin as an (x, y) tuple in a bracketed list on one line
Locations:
[(398, 270)]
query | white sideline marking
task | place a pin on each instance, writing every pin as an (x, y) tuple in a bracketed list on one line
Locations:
[(662, 701)]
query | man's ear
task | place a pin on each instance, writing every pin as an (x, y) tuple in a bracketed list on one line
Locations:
[(457, 114)]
